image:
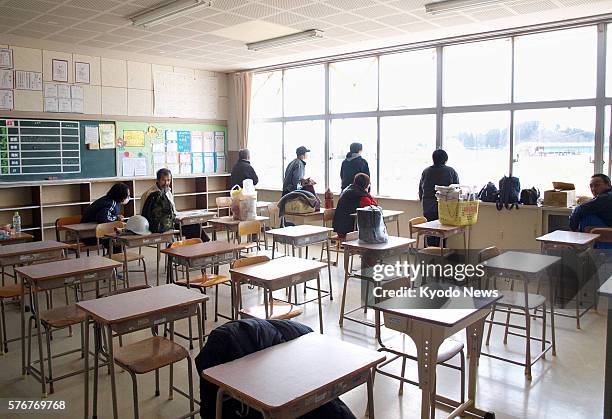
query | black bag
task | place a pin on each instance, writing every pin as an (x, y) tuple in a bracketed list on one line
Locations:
[(530, 196), (488, 193), (509, 193)]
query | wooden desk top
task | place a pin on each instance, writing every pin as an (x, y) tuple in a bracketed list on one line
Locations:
[(31, 247), (568, 237), (321, 361), (522, 262), (79, 228), (298, 231), (442, 311), (436, 225), (281, 268), (131, 237), (67, 267), (386, 213), (393, 243), (136, 304), (194, 213), (203, 249), (229, 220), (17, 237), (606, 291)]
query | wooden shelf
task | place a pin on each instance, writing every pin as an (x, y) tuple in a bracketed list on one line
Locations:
[(19, 208), (65, 204), (189, 194)]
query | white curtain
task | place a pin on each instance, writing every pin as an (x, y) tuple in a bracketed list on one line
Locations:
[(242, 94)]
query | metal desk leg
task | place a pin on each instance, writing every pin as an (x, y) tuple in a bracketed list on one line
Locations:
[(266, 303), (158, 256), (398, 227), (371, 393), (527, 330), (320, 301), (219, 404), (427, 340), (475, 334), (86, 372), (552, 314), (328, 243), (22, 309), (347, 256), (111, 364)]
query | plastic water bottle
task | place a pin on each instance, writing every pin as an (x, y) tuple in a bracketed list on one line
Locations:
[(17, 222)]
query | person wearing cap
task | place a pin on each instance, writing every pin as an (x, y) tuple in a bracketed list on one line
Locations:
[(243, 170), (353, 164), (294, 173)]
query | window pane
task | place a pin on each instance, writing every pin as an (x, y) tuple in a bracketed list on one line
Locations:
[(609, 62), (266, 95), (265, 143), (312, 135), (408, 80), (477, 73), (353, 85), (556, 65), (554, 145), (403, 138), (304, 90), (606, 140), (343, 132), (478, 146)]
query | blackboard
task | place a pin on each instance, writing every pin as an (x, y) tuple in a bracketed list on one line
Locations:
[(37, 149)]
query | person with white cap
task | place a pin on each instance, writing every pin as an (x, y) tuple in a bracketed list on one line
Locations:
[(295, 171)]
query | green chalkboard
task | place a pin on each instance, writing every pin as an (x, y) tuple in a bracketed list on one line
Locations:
[(39, 149)]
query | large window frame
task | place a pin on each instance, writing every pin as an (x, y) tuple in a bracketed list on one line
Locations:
[(599, 102)]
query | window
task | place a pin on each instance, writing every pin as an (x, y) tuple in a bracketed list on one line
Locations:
[(554, 145), (310, 134), (343, 132), (477, 144), (607, 161), (406, 144), (477, 73), (353, 85), (265, 144), (556, 65), (408, 80), (609, 62), (304, 91), (266, 100)]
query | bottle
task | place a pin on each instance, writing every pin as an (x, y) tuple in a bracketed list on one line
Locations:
[(17, 222), (329, 199)]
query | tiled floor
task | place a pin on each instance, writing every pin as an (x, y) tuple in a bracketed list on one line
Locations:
[(568, 386)]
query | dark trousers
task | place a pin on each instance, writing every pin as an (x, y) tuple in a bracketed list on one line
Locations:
[(432, 241), (193, 231)]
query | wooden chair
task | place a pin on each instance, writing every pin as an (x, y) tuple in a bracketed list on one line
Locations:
[(279, 310), (65, 238), (252, 231), (223, 202), (125, 257), (429, 253)]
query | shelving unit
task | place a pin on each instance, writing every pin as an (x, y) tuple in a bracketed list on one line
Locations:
[(40, 203)]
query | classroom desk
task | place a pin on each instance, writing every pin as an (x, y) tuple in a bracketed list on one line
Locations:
[(395, 247), (30, 252), (581, 243), (129, 312), (443, 231), (54, 275), (274, 275), (127, 241), (526, 267), (309, 217), (230, 225), (428, 322), (190, 217), (81, 231), (389, 216), (291, 389), (606, 291), (16, 238)]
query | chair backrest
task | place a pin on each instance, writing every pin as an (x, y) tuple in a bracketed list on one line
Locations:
[(108, 228), (239, 263), (247, 228), (273, 214), (223, 202), (353, 235), (186, 242), (488, 253), (328, 216), (415, 221), (605, 234), (64, 221)]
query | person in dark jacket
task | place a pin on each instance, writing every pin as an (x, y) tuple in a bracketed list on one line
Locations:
[(353, 164), (107, 208), (438, 174), (243, 170), (295, 170), (598, 211), (354, 196)]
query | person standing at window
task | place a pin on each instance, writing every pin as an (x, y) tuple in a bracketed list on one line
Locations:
[(295, 171), (353, 164), (243, 170)]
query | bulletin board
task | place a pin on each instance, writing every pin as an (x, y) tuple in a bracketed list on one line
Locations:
[(185, 149)]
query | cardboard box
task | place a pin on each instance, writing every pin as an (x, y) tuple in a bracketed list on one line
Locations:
[(564, 195)]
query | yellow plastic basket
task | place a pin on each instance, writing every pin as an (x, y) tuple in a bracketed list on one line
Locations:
[(458, 213)]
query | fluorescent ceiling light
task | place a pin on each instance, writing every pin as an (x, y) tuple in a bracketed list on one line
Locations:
[(166, 12), (285, 40), (456, 5)]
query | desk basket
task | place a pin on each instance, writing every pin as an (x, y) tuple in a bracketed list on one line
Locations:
[(458, 213)]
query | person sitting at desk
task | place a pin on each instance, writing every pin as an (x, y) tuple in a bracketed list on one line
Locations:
[(160, 211), (354, 196), (243, 170), (107, 209), (596, 212)]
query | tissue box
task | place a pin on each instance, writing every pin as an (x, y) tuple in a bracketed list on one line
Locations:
[(563, 195)]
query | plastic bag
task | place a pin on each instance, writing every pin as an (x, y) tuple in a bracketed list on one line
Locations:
[(371, 225), (235, 194)]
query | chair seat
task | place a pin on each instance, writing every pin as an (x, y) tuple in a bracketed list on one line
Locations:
[(131, 257), (63, 316), (204, 281), (517, 299), (12, 291), (281, 311), (149, 354), (436, 251)]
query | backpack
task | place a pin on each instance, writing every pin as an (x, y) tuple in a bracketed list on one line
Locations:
[(371, 225), (509, 193), (530, 196), (158, 211), (488, 193)]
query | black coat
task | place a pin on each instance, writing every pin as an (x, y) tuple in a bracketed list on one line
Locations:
[(600, 206), (347, 204), (350, 167), (434, 175), (102, 210), (239, 338), (243, 170)]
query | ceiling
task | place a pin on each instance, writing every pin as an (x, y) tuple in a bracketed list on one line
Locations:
[(349, 25)]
